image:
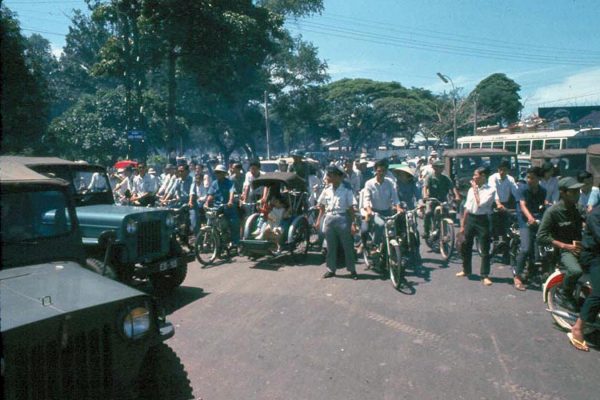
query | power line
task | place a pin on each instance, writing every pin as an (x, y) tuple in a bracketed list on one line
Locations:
[(436, 48), (418, 31), (478, 51), (45, 32)]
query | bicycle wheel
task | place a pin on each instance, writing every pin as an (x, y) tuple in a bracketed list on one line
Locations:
[(396, 266), (446, 238), (207, 246)]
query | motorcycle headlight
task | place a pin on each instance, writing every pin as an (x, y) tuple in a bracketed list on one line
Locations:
[(390, 223), (136, 323), (170, 220), (131, 227)]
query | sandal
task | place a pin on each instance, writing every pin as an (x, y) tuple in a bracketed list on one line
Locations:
[(578, 344), (519, 285)]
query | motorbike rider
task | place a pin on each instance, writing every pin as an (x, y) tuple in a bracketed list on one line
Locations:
[(145, 187), (222, 192), (590, 255), (561, 226), (530, 208), (380, 197), (437, 186)]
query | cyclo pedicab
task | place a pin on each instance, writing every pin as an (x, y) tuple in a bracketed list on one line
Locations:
[(291, 235)]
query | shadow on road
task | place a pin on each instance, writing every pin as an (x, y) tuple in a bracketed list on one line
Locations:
[(287, 260), (181, 297)]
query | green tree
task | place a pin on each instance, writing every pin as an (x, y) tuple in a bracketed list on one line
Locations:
[(24, 105), (498, 97)]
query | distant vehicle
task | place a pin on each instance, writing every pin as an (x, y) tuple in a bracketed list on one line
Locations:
[(67, 332), (524, 143), (569, 161), (593, 162), (461, 163), (138, 242)]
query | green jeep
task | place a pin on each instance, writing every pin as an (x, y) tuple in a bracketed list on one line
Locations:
[(133, 243), (67, 333)]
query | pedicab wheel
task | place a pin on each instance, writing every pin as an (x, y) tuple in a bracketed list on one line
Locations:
[(301, 240), (396, 267), (207, 247), (446, 238)]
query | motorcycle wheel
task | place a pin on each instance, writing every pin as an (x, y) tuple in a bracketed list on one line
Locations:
[(396, 267), (554, 305), (446, 239), (207, 247)]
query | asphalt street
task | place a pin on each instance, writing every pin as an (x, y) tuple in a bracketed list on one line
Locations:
[(270, 330)]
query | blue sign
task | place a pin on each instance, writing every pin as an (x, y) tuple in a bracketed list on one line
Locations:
[(136, 135)]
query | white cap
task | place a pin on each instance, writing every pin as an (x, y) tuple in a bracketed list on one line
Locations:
[(220, 168)]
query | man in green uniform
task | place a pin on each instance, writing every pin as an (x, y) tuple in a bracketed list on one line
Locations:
[(437, 186), (561, 226)]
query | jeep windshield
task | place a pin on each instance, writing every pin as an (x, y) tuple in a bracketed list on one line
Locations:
[(34, 215), (89, 184)]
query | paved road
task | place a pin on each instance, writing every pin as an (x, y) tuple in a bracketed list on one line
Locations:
[(274, 331)]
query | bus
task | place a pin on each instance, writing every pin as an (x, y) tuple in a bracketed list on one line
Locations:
[(524, 143)]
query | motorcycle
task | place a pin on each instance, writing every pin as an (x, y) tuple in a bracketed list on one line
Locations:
[(563, 317)]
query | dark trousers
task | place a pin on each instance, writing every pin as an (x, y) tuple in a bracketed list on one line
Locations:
[(591, 307), (477, 225), (500, 221)]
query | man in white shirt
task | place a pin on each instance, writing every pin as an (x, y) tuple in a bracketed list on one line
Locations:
[(478, 207), (124, 188), (336, 209), (380, 197), (351, 176), (507, 194), (253, 172), (145, 187)]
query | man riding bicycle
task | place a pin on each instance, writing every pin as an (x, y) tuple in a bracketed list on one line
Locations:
[(222, 193), (380, 197), (437, 186)]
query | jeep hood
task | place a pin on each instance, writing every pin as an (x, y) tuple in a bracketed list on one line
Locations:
[(111, 213), (38, 292)]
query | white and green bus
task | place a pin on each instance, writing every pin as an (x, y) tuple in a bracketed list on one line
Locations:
[(524, 143)]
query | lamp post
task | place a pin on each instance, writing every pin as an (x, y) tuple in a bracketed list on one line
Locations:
[(446, 79)]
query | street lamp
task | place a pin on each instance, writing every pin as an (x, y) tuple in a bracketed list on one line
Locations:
[(446, 79)]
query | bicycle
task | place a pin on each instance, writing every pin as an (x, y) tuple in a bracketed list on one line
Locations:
[(411, 242), (442, 237), (388, 258), (214, 237)]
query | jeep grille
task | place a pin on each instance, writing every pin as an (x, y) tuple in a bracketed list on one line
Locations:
[(148, 237), (80, 370)]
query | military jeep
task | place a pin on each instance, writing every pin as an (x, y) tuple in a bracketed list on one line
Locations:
[(133, 243), (67, 332)]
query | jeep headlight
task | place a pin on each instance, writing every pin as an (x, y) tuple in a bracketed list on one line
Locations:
[(131, 226), (136, 323), (170, 220)]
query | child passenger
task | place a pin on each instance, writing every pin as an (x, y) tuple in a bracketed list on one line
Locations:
[(272, 229)]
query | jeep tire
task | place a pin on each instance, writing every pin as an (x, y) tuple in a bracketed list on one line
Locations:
[(164, 282)]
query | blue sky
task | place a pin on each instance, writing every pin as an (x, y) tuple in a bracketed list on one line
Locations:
[(550, 47)]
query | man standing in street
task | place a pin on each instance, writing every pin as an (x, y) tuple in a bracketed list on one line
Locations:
[(474, 222), (506, 197), (336, 205), (561, 227)]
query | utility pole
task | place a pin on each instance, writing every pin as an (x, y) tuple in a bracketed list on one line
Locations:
[(268, 128)]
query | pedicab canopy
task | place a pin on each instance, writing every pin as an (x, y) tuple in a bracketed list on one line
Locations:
[(289, 179), (593, 162), (125, 164)]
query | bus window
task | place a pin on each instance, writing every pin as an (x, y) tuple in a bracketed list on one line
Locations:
[(563, 143), (510, 146), (524, 147), (486, 145), (537, 145), (498, 145), (475, 145), (552, 144)]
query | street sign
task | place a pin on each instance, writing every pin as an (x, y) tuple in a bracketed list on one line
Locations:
[(136, 135)]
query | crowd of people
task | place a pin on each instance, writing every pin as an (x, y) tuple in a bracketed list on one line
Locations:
[(549, 210)]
